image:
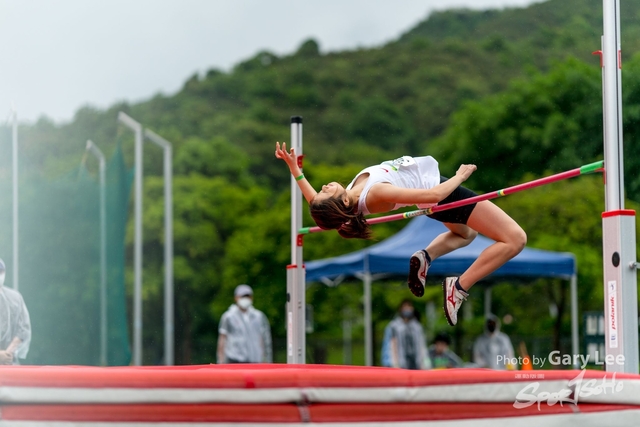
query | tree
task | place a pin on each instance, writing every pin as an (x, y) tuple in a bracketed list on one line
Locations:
[(551, 122), (208, 212)]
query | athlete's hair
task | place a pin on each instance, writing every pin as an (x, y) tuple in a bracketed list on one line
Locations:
[(333, 214)]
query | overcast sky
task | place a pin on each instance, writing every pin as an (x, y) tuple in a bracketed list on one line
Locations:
[(58, 55)]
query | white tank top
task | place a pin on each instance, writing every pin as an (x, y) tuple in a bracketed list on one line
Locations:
[(404, 172)]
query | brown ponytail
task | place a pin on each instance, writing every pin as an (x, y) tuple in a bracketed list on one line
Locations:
[(333, 214), (357, 227)]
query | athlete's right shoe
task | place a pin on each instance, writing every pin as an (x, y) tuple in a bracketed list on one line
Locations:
[(418, 266), (453, 299)]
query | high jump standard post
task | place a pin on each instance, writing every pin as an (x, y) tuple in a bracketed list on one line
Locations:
[(618, 223), (296, 301)]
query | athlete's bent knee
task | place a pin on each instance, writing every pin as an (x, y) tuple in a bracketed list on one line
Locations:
[(518, 240), (468, 235)]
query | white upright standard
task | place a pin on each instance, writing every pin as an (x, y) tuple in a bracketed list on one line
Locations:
[(168, 243), (102, 171), (618, 223), (137, 251), (296, 301), (14, 172)]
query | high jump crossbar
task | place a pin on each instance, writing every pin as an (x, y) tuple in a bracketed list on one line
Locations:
[(583, 170)]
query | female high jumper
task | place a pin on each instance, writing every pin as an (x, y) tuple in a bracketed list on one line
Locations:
[(416, 181)]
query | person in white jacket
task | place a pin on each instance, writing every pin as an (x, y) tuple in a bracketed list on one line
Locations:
[(407, 346), (244, 334), (15, 325), (493, 349)]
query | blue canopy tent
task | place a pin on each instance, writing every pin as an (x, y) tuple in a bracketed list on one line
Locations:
[(391, 258)]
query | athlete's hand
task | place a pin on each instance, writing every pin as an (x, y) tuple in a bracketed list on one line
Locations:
[(289, 157), (465, 171)]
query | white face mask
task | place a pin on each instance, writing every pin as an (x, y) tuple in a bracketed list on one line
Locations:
[(244, 303), (2, 276)]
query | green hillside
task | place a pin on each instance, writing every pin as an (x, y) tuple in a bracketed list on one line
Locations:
[(360, 104), (550, 26)]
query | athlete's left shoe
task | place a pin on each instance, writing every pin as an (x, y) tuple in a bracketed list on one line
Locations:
[(418, 266), (453, 299)]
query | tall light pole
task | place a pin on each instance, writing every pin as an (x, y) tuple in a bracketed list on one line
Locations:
[(14, 156), (168, 244), (137, 252), (93, 149)]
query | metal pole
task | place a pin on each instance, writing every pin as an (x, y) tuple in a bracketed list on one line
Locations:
[(487, 302), (368, 333), (137, 253), (430, 311), (575, 343), (296, 345), (93, 148), (618, 224), (14, 156), (612, 100), (168, 245), (346, 336)]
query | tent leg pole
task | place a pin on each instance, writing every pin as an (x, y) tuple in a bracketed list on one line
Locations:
[(574, 319), (368, 336), (487, 301), (346, 336)]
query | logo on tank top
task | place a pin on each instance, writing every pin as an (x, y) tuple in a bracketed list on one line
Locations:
[(396, 164)]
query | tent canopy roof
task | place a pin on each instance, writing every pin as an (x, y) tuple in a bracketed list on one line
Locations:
[(391, 256)]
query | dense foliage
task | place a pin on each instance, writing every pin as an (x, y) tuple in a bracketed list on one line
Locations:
[(515, 91)]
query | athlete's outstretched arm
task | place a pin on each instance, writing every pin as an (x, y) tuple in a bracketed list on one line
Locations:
[(291, 160)]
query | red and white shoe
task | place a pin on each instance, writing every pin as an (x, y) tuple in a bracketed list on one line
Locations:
[(453, 299), (418, 267)]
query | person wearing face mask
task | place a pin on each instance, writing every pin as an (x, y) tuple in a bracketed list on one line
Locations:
[(407, 348), (492, 344), (244, 334), (15, 326)]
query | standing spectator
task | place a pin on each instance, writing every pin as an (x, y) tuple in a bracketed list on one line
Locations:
[(244, 335), (407, 346), (15, 326), (492, 344), (386, 347), (441, 355)]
